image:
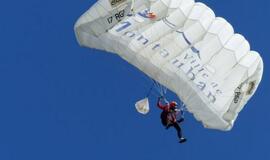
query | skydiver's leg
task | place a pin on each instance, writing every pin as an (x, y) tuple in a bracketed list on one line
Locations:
[(178, 129), (179, 133)]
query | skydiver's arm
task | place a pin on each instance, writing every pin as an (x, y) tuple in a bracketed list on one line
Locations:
[(159, 104)]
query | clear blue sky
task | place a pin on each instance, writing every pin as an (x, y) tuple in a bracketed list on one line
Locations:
[(59, 101)]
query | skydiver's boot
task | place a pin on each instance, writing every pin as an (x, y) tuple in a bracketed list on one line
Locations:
[(182, 140)]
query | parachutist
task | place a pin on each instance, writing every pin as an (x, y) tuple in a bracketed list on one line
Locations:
[(151, 15), (132, 13), (168, 117)]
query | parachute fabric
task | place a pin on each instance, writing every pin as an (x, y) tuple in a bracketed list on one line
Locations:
[(185, 48)]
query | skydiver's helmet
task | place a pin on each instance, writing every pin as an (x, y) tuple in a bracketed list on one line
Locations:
[(173, 104)]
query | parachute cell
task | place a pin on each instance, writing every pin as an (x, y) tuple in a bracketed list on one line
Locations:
[(185, 48)]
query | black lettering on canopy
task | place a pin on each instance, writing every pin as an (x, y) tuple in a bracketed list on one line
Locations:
[(115, 3)]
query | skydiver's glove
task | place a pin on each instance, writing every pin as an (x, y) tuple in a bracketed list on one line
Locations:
[(177, 110)]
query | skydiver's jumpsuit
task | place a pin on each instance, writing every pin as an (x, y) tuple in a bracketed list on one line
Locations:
[(168, 117)]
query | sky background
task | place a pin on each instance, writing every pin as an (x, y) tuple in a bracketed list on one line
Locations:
[(59, 101)]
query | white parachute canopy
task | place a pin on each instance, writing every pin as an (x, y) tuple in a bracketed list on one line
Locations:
[(142, 106), (185, 48)]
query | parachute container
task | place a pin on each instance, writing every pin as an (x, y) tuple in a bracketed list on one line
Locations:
[(142, 106), (186, 48)]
